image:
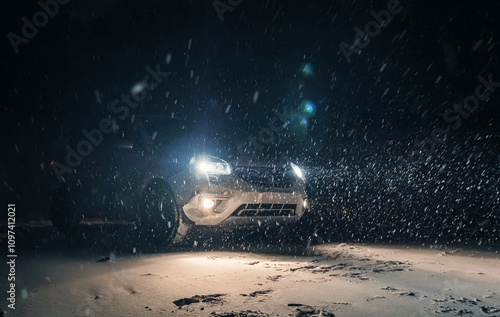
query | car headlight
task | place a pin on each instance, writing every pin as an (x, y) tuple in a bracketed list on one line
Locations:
[(212, 165), (297, 171)]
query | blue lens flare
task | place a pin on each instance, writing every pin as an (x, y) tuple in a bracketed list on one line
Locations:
[(307, 70), (308, 108)]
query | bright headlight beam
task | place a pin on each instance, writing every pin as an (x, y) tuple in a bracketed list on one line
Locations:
[(203, 167), (213, 165), (297, 171)]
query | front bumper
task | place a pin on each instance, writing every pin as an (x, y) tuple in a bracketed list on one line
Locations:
[(246, 208), (252, 195)]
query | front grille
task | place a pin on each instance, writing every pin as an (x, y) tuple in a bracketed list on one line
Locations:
[(267, 177), (263, 210)]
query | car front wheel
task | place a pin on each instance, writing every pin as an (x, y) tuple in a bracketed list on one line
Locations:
[(159, 219)]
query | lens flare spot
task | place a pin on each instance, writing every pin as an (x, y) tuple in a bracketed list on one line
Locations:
[(308, 108), (138, 88), (307, 70)]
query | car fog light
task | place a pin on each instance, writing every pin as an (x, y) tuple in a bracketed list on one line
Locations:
[(207, 203)]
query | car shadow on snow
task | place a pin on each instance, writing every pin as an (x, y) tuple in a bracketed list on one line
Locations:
[(123, 240)]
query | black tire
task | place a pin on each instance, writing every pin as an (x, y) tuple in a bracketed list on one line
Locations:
[(159, 219)]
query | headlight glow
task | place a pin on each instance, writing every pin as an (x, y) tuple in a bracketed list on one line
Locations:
[(297, 171), (212, 165), (208, 203)]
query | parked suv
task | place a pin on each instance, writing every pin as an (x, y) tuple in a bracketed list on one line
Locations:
[(165, 176)]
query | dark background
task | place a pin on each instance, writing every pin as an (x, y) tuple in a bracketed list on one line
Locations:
[(354, 149)]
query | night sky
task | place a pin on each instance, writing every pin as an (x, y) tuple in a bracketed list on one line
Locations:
[(357, 139)]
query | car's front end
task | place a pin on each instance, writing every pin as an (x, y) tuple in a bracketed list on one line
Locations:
[(215, 193)]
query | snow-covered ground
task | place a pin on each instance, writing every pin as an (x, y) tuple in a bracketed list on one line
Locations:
[(329, 280)]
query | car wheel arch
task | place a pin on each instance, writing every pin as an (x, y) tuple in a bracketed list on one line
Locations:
[(156, 183), (184, 223)]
